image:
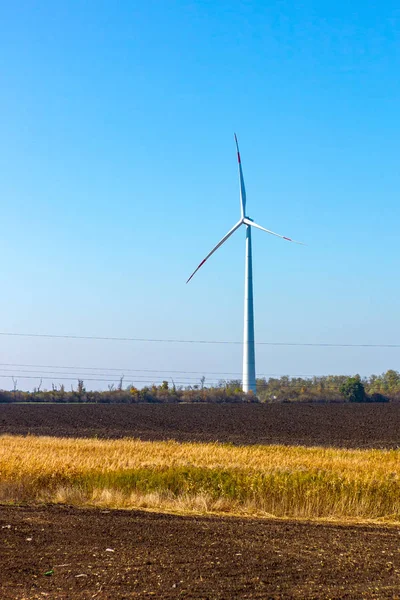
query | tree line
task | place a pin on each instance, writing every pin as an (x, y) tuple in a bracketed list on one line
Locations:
[(329, 388)]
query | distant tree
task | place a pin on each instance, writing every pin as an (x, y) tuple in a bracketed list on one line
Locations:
[(233, 385), (391, 380), (353, 390), (121, 380), (15, 383), (135, 394)]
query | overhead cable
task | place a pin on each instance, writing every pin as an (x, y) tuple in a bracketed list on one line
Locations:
[(183, 341)]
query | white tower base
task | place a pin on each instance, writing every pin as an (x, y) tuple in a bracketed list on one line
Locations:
[(249, 359)]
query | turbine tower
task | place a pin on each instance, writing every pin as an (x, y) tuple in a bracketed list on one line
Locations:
[(249, 361)]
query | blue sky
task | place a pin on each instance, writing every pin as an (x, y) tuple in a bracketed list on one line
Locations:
[(118, 175)]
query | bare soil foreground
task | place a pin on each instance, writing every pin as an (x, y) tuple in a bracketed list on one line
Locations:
[(63, 552), (341, 425)]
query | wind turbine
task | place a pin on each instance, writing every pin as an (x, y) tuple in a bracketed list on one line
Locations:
[(249, 362)]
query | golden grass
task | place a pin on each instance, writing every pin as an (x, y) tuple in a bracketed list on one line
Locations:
[(293, 482)]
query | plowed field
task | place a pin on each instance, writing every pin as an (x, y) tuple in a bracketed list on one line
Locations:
[(123, 554), (341, 425)]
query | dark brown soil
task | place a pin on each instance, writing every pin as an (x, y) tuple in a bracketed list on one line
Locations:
[(121, 554), (164, 556), (345, 425)]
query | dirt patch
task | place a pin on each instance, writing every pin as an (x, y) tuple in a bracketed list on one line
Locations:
[(122, 554), (341, 425)]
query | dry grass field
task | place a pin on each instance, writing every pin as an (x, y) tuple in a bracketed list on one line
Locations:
[(280, 481)]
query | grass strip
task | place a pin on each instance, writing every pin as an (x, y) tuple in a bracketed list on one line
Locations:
[(293, 482)]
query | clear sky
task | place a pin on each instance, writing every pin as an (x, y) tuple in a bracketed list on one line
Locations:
[(118, 175)]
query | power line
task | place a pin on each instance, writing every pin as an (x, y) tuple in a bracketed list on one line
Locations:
[(68, 378), (73, 377), (116, 339), (108, 380), (64, 375), (124, 370), (181, 341)]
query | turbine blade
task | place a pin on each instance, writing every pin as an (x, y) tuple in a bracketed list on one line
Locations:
[(253, 224), (238, 224), (242, 188)]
